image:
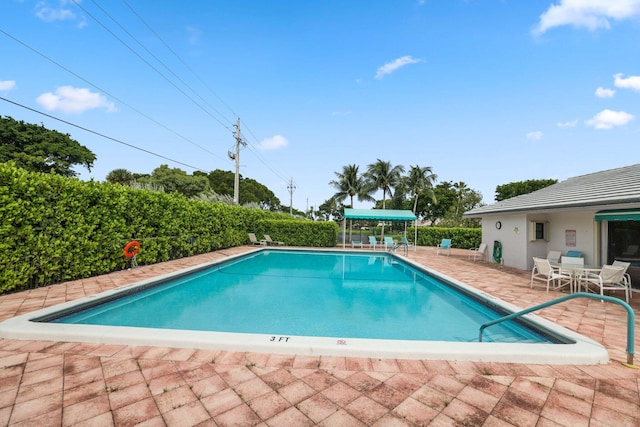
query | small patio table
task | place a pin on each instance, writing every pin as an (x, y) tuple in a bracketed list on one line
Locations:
[(576, 271)]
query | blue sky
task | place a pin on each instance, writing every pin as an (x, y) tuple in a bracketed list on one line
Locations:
[(484, 91)]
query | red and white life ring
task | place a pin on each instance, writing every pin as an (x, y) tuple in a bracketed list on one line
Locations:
[(131, 249)]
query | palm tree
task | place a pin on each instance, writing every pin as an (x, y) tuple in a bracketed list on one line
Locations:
[(350, 183), (382, 176), (462, 191), (120, 176), (421, 179)]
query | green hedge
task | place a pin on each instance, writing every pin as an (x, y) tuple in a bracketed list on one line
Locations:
[(463, 238), (299, 232), (54, 228)]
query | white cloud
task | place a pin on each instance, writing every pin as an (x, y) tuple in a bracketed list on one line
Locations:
[(193, 35), (605, 93), (607, 119), (590, 14), (51, 14), (274, 143), (394, 65), (69, 99), (570, 124), (534, 136), (631, 82), (7, 85)]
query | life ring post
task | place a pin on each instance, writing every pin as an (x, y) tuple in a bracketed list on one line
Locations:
[(130, 251)]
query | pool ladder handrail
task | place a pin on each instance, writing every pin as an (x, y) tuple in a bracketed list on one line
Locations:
[(630, 318)]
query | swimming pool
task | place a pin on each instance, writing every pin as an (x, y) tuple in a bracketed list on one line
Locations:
[(327, 303)]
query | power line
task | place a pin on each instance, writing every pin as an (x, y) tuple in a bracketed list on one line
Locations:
[(160, 61), (179, 58), (253, 148), (101, 134), (151, 66), (108, 93)]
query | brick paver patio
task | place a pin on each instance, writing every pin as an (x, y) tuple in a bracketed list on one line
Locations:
[(48, 383)]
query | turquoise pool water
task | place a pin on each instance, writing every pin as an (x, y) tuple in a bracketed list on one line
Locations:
[(306, 293)]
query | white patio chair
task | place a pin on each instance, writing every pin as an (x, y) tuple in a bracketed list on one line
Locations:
[(610, 278), (542, 270), (627, 277), (554, 256), (572, 266), (480, 252)]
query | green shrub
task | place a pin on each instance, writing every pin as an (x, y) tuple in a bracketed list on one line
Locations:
[(299, 232), (54, 228), (463, 238)]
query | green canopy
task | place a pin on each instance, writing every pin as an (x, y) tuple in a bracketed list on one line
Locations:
[(379, 214), (619, 215)]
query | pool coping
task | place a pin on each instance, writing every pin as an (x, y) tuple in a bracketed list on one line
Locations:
[(584, 351)]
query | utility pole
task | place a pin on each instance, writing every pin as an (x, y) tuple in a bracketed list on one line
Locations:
[(291, 187), (236, 156)]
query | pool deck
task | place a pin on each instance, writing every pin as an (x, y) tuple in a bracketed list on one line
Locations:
[(48, 383)]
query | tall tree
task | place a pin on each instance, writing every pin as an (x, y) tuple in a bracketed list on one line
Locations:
[(461, 192), (251, 191), (420, 180), (350, 183), (382, 176), (120, 176), (177, 180), (513, 189), (39, 149)]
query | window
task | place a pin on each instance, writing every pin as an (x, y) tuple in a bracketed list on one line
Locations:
[(538, 230)]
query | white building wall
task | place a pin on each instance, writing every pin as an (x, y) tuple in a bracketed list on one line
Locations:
[(517, 248), (562, 226), (512, 234)]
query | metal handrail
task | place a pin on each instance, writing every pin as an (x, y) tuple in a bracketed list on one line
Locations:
[(631, 317)]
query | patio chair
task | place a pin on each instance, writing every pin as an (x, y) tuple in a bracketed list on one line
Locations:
[(480, 251), (356, 243), (388, 243), (373, 242), (404, 242), (272, 242), (610, 278), (542, 270), (554, 256), (573, 266), (627, 277), (444, 246), (254, 240)]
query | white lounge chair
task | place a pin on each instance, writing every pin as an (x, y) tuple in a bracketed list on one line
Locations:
[(269, 241), (254, 240)]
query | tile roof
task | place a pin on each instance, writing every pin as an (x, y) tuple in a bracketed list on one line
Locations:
[(613, 187)]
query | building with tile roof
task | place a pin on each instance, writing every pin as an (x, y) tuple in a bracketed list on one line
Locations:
[(597, 214)]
